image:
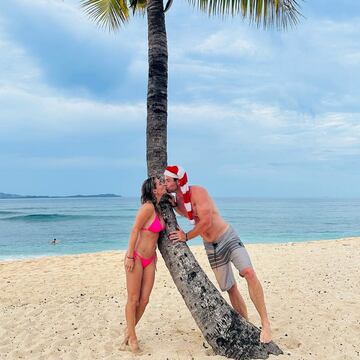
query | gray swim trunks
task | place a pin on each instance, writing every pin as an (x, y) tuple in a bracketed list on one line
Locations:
[(228, 248)]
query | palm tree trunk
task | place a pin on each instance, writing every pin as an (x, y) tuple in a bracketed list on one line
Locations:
[(227, 333), (224, 329), (156, 131)]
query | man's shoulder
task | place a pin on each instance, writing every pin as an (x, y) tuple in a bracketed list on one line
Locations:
[(197, 188), (198, 192)]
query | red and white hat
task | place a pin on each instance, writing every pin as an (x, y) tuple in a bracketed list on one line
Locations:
[(178, 172)]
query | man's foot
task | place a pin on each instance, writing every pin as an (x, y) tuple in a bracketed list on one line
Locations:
[(265, 335)]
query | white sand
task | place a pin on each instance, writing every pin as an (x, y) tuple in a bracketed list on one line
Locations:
[(72, 307)]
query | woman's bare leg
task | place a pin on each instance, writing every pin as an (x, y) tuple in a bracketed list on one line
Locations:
[(133, 285), (146, 287)]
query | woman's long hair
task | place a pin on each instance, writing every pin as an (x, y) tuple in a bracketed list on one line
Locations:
[(147, 192)]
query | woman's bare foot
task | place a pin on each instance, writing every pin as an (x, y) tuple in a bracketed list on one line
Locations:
[(126, 336), (125, 341), (134, 346), (265, 335)]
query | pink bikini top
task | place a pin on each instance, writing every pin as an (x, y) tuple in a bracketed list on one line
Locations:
[(155, 226)]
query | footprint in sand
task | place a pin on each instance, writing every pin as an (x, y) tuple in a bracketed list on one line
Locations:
[(292, 343)]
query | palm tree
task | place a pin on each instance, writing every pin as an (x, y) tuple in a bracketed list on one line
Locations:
[(226, 331)]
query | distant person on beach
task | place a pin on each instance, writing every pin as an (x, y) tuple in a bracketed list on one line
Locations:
[(140, 258), (222, 244), (53, 242)]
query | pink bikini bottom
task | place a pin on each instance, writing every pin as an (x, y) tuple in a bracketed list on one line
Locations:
[(144, 261)]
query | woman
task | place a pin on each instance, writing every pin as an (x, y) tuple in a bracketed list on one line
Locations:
[(140, 259)]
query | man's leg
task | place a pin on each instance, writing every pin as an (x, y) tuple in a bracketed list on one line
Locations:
[(257, 297), (237, 301), (226, 280), (219, 260)]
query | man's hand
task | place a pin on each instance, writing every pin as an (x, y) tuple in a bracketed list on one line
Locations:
[(177, 236), (172, 200)]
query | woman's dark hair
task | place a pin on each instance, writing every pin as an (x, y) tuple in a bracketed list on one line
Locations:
[(147, 192)]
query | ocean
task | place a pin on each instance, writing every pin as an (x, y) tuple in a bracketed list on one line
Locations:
[(87, 225)]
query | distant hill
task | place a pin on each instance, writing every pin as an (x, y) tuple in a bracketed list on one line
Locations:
[(15, 196)]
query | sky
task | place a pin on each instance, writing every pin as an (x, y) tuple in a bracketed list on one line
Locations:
[(252, 113)]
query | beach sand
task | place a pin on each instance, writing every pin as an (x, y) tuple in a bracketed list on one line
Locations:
[(72, 307)]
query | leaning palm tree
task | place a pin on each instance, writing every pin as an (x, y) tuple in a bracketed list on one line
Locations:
[(226, 331)]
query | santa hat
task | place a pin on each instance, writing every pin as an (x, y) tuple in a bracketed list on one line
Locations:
[(178, 172)]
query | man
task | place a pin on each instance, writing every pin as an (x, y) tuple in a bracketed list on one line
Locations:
[(222, 244)]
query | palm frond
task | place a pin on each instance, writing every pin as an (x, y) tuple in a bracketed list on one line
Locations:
[(139, 6), (133, 4), (168, 5), (268, 13), (110, 14)]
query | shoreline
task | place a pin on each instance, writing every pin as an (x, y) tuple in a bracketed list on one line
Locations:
[(37, 257)]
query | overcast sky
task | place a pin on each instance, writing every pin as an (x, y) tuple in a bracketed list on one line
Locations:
[(251, 112)]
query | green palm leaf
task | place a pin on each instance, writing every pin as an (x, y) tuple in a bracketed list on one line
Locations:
[(277, 13), (139, 6), (110, 14)]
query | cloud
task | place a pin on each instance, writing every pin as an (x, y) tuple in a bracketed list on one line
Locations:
[(251, 103), (311, 69), (17, 67), (72, 162), (30, 107), (75, 56), (326, 136), (40, 114), (223, 43)]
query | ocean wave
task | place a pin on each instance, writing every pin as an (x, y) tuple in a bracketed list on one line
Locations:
[(3, 212), (46, 217)]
